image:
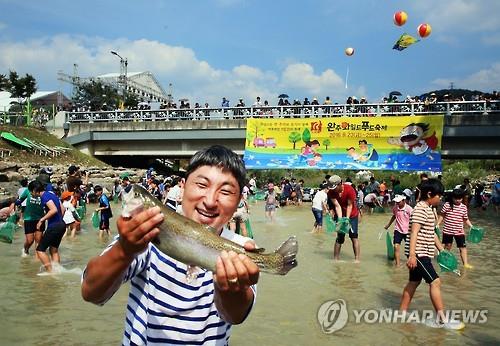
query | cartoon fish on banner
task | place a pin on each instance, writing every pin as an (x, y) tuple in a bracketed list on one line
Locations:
[(404, 42)]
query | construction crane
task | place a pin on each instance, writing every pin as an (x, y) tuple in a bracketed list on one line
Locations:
[(142, 84)]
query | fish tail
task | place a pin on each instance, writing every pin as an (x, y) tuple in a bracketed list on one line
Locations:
[(288, 250)]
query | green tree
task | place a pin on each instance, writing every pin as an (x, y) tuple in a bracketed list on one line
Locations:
[(294, 137), (306, 135), (326, 143), (4, 83), (97, 95)]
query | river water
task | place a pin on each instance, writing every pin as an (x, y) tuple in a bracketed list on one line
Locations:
[(49, 310)]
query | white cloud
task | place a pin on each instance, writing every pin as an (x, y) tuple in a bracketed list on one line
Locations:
[(487, 79), (191, 77), (457, 16)]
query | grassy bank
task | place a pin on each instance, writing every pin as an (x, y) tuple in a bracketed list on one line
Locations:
[(72, 155)]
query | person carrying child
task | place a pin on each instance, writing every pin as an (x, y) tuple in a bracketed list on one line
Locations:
[(454, 213)]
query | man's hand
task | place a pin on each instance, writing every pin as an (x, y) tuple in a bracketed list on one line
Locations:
[(236, 272), (136, 232)]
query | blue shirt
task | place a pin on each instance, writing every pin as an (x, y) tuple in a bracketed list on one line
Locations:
[(51, 196)]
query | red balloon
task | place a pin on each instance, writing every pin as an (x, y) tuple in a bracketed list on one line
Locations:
[(400, 18), (424, 30)]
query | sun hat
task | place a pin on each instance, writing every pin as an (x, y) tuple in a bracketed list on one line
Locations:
[(334, 181), (398, 198)]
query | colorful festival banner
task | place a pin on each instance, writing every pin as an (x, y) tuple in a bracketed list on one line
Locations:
[(402, 143)]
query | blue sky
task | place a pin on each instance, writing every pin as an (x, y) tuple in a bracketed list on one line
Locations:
[(241, 48)]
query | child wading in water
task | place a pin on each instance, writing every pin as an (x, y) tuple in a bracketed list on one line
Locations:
[(105, 209), (401, 213), (454, 213), (420, 251)]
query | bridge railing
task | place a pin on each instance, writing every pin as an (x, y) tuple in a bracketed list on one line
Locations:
[(309, 111)]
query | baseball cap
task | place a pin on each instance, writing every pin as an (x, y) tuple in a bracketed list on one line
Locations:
[(46, 170), (398, 198), (334, 181), (72, 169)]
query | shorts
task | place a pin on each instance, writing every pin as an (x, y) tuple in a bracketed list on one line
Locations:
[(52, 237), (30, 226), (370, 204), (423, 270), (459, 239), (104, 224), (353, 232), (270, 207), (318, 217), (398, 237)]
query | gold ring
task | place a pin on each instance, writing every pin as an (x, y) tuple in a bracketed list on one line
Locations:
[(233, 281)]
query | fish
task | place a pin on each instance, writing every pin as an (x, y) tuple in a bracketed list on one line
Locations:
[(198, 245)]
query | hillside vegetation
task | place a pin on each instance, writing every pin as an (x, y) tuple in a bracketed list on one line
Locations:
[(72, 155)]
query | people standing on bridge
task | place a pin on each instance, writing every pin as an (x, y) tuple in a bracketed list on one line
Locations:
[(225, 104), (343, 197)]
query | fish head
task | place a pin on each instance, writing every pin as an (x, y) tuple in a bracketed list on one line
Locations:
[(137, 200)]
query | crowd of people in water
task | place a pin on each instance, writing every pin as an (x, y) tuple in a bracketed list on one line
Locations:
[(50, 211)]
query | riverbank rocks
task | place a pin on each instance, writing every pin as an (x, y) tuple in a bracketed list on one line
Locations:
[(12, 173)]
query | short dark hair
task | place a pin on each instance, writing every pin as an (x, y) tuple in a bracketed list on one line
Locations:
[(97, 188), (220, 156), (35, 185), (431, 187)]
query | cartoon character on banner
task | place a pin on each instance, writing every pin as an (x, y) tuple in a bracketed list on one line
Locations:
[(367, 154), (416, 139), (308, 151)]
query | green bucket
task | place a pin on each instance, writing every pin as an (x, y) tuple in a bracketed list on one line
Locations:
[(81, 212), (329, 224), (438, 232), (343, 225), (96, 220), (380, 210), (7, 230), (390, 246), (447, 261), (249, 228), (475, 235)]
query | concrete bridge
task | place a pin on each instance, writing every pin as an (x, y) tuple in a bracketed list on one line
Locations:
[(472, 130)]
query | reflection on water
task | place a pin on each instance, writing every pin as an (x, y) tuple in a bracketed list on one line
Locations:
[(48, 310)]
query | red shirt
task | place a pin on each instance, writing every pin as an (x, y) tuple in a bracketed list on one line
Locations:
[(348, 194)]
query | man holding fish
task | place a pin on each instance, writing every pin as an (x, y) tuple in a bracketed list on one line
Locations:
[(189, 283)]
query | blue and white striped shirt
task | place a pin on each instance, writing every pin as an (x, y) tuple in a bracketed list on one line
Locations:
[(164, 309)]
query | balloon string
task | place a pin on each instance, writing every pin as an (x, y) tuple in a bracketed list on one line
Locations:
[(346, 76)]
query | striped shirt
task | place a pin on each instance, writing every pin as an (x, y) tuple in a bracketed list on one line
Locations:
[(423, 215), (164, 309), (454, 218)]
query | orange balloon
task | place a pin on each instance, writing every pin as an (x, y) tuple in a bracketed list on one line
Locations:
[(424, 30), (349, 51), (400, 18)]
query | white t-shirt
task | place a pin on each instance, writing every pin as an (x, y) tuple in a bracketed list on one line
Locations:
[(68, 217), (319, 198), (370, 198), (174, 193)]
